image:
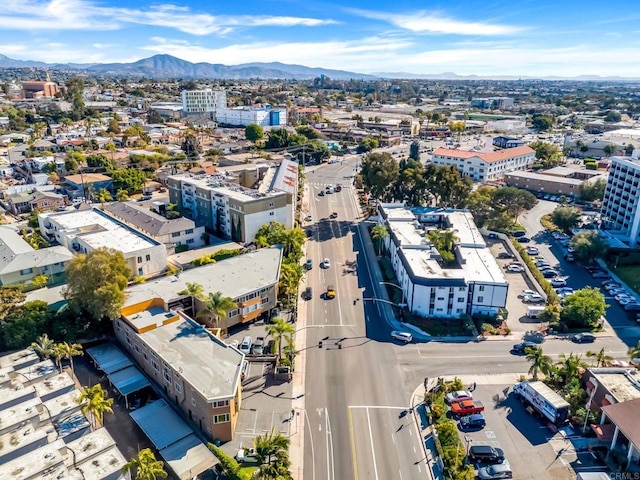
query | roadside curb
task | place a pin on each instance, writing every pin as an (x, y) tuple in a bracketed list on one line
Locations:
[(416, 399)]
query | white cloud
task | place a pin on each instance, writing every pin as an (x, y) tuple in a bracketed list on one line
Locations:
[(86, 15), (425, 22)]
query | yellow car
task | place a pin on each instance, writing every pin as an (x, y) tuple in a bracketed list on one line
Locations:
[(331, 292)]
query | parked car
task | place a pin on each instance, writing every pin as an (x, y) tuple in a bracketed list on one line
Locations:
[(632, 307), (496, 471), (308, 265), (583, 338), (549, 273), (558, 282), (569, 257), (405, 337), (466, 407), (523, 239), (519, 348), (457, 396), (333, 215), (309, 218), (144, 197), (515, 268), (258, 346), (493, 235), (485, 454), (532, 251), (601, 275), (505, 255), (518, 233), (534, 298), (473, 422), (321, 193), (527, 292), (568, 290)]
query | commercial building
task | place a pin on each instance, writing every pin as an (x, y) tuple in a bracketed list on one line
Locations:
[(82, 231), (226, 208), (203, 101), (20, 262), (35, 90), (175, 232), (492, 103), (471, 283), (483, 166), (507, 142), (555, 181), (197, 370), (611, 385), (243, 116), (620, 208)]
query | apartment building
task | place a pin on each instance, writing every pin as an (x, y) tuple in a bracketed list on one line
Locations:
[(243, 116), (483, 166), (493, 103), (174, 232), (225, 208), (82, 231), (203, 101), (472, 283), (620, 209), (197, 370)]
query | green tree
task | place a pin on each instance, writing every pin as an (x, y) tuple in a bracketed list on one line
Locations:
[(72, 161), (271, 447), (129, 179), (513, 201), (565, 217), (551, 314), (584, 308), (568, 367), (68, 351), (145, 466), (43, 346), (291, 274), (193, 290), (367, 144), (216, 306), (379, 172), (95, 402), (600, 357), (610, 149), (23, 324), (278, 138), (449, 188), (540, 363), (414, 151), (588, 246), (542, 123), (279, 329), (253, 132), (308, 132), (613, 116), (590, 191), (114, 126), (229, 464), (634, 352), (122, 195), (548, 153), (103, 196), (378, 234), (11, 296), (75, 95), (96, 283), (39, 281)]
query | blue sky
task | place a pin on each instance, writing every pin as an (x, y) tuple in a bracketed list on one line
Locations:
[(483, 37)]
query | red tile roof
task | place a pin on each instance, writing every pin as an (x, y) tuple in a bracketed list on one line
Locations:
[(487, 157)]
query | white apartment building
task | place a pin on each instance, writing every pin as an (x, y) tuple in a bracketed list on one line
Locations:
[(474, 283), (483, 166), (620, 209), (82, 231), (203, 101), (243, 116)]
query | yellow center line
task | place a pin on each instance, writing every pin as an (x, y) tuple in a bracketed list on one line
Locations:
[(353, 445)]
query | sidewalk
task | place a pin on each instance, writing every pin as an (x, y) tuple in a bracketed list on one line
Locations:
[(427, 433)]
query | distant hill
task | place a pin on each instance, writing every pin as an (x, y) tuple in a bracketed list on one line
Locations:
[(168, 66)]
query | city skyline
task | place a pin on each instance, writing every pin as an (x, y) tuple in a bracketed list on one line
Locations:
[(530, 38)]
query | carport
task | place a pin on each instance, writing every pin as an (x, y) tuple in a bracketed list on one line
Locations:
[(127, 381), (109, 358), (175, 440)]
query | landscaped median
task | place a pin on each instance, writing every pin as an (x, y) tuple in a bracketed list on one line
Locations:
[(552, 296)]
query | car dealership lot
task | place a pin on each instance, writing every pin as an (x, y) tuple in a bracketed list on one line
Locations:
[(531, 448)]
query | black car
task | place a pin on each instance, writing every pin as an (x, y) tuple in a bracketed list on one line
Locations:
[(321, 193), (519, 348), (505, 255), (485, 454), (632, 307), (549, 273), (475, 421), (518, 233), (583, 338), (307, 294), (524, 239)]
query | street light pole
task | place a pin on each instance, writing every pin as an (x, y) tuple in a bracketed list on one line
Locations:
[(397, 286)]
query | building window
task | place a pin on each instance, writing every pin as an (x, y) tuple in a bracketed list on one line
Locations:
[(155, 365), (178, 388), (148, 257), (271, 214), (190, 241), (222, 418), (220, 404), (175, 234), (189, 231), (481, 288), (139, 259), (270, 204), (460, 299), (233, 313), (165, 373), (440, 298), (26, 271), (193, 401), (480, 299)]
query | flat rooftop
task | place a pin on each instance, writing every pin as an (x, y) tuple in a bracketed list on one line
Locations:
[(21, 358), (97, 456), (623, 384), (223, 184), (98, 230), (207, 363), (544, 178), (233, 277)]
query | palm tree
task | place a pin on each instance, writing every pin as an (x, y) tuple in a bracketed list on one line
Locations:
[(216, 306), (103, 196), (193, 290), (57, 353), (292, 241), (278, 329), (145, 466), (44, 346), (540, 363), (122, 195), (600, 358), (568, 367), (96, 403), (448, 238), (634, 352), (68, 351), (271, 446), (378, 233)]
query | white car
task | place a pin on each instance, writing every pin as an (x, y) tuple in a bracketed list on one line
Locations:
[(558, 282), (532, 251), (326, 263), (457, 396), (535, 298), (526, 292), (309, 218), (621, 296), (405, 337), (515, 268)]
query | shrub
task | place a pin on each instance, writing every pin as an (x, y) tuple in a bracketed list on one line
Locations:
[(552, 296), (228, 463)]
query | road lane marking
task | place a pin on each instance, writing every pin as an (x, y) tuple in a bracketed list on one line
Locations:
[(330, 438), (373, 451), (313, 455), (378, 406), (393, 438), (353, 445)]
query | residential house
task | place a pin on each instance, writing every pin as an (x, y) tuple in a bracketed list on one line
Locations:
[(25, 202), (84, 185)]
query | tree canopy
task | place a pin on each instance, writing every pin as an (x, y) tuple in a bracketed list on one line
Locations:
[(590, 191), (96, 283), (379, 172), (549, 154), (565, 217), (584, 308), (588, 246), (542, 123), (253, 132)]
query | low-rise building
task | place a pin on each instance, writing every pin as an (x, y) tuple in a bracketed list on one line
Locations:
[(82, 184), (507, 142), (486, 166), (83, 231), (20, 262), (608, 386), (471, 283), (175, 232), (243, 116), (25, 202), (555, 181), (197, 370), (493, 103)]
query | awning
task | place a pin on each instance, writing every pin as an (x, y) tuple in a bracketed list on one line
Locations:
[(128, 380), (188, 457), (109, 358), (161, 424)]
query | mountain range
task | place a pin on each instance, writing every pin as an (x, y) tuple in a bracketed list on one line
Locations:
[(167, 66)]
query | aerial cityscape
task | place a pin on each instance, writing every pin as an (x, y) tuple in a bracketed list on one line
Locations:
[(317, 241)]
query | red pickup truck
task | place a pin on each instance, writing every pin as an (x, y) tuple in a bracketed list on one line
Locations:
[(466, 407)]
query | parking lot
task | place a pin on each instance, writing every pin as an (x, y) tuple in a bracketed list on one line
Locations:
[(533, 450)]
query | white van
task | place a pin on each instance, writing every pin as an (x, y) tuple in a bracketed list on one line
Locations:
[(245, 345), (534, 312)]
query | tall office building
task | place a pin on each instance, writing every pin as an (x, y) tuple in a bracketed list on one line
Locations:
[(620, 213), (203, 101)]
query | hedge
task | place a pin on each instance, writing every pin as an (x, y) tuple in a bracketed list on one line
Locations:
[(552, 296)]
